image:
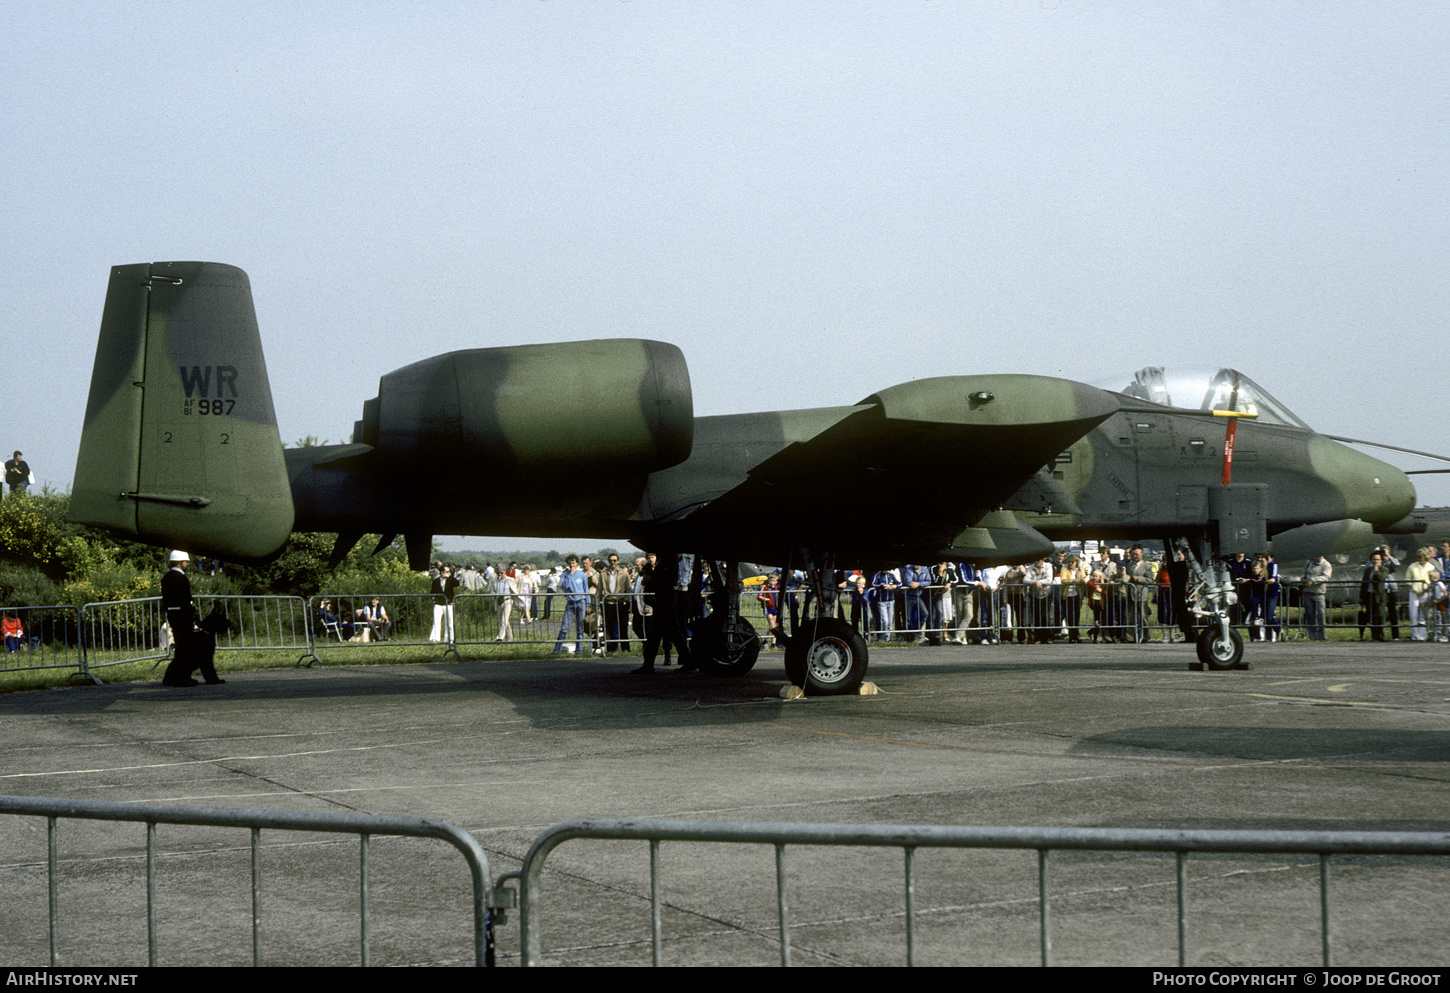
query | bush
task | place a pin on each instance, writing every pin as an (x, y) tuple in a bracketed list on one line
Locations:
[(111, 582), (30, 529), (22, 587)]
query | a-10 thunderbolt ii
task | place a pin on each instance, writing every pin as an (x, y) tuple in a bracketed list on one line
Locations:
[(599, 439)]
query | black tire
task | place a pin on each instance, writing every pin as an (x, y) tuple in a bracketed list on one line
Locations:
[(1216, 652), (717, 655), (826, 658), (795, 659)]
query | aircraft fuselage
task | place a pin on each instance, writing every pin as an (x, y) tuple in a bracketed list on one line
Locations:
[(1159, 475)]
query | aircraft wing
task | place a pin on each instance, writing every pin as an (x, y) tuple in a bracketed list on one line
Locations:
[(918, 472)]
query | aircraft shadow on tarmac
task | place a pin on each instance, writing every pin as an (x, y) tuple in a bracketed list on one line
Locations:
[(1342, 748), (1274, 744), (942, 664), (543, 690)]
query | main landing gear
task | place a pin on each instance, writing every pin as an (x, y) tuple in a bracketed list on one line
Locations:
[(725, 644), (824, 655)]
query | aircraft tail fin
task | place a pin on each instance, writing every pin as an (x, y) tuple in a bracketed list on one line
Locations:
[(180, 444)]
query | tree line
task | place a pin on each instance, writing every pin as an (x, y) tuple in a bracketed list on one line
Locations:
[(45, 560)]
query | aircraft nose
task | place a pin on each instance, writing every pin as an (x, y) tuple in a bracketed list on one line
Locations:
[(1373, 491)]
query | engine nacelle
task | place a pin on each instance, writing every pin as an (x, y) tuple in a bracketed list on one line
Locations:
[(621, 404)]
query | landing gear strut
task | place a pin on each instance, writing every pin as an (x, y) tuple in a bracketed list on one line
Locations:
[(1211, 596), (725, 644), (824, 655)]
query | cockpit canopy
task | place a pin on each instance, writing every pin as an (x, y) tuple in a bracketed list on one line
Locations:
[(1201, 387)]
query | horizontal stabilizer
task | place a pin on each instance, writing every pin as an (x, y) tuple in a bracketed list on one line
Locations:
[(180, 444)]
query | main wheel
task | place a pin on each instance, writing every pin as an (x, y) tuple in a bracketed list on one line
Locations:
[(720, 655), (1218, 652), (826, 657)]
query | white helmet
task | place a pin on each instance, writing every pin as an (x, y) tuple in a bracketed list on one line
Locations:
[(179, 556)]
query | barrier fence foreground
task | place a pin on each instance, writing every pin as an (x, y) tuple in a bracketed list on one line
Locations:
[(362, 825), (492, 896), (1181, 844)]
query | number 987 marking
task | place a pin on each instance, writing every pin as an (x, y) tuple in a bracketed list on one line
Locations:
[(215, 406)]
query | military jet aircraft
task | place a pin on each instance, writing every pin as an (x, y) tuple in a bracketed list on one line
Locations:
[(599, 438)]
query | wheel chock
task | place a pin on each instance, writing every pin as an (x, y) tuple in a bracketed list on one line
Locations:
[(789, 692)]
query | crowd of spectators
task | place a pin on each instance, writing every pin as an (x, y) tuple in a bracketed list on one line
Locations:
[(1132, 596), (1421, 595), (1065, 596), (1108, 596)]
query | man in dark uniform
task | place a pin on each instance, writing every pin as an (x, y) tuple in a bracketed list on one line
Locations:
[(663, 624), (1178, 574), (190, 652)]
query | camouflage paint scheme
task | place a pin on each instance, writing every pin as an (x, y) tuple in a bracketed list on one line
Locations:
[(180, 444), (599, 439), (1155, 475)]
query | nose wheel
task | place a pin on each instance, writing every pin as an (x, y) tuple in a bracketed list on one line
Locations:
[(1218, 651), (1219, 645)]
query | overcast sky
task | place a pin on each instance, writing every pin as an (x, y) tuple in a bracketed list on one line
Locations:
[(813, 200)]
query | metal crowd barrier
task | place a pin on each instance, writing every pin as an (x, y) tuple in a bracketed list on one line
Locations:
[(260, 622), (474, 619), (113, 632), (1010, 610), (119, 631), (406, 619), (362, 825), (490, 896), (1322, 844), (525, 619), (1345, 610), (1113, 612), (41, 638), (1015, 611), (535, 619)]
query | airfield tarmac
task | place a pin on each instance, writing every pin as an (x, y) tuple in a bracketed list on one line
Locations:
[(1334, 736)]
